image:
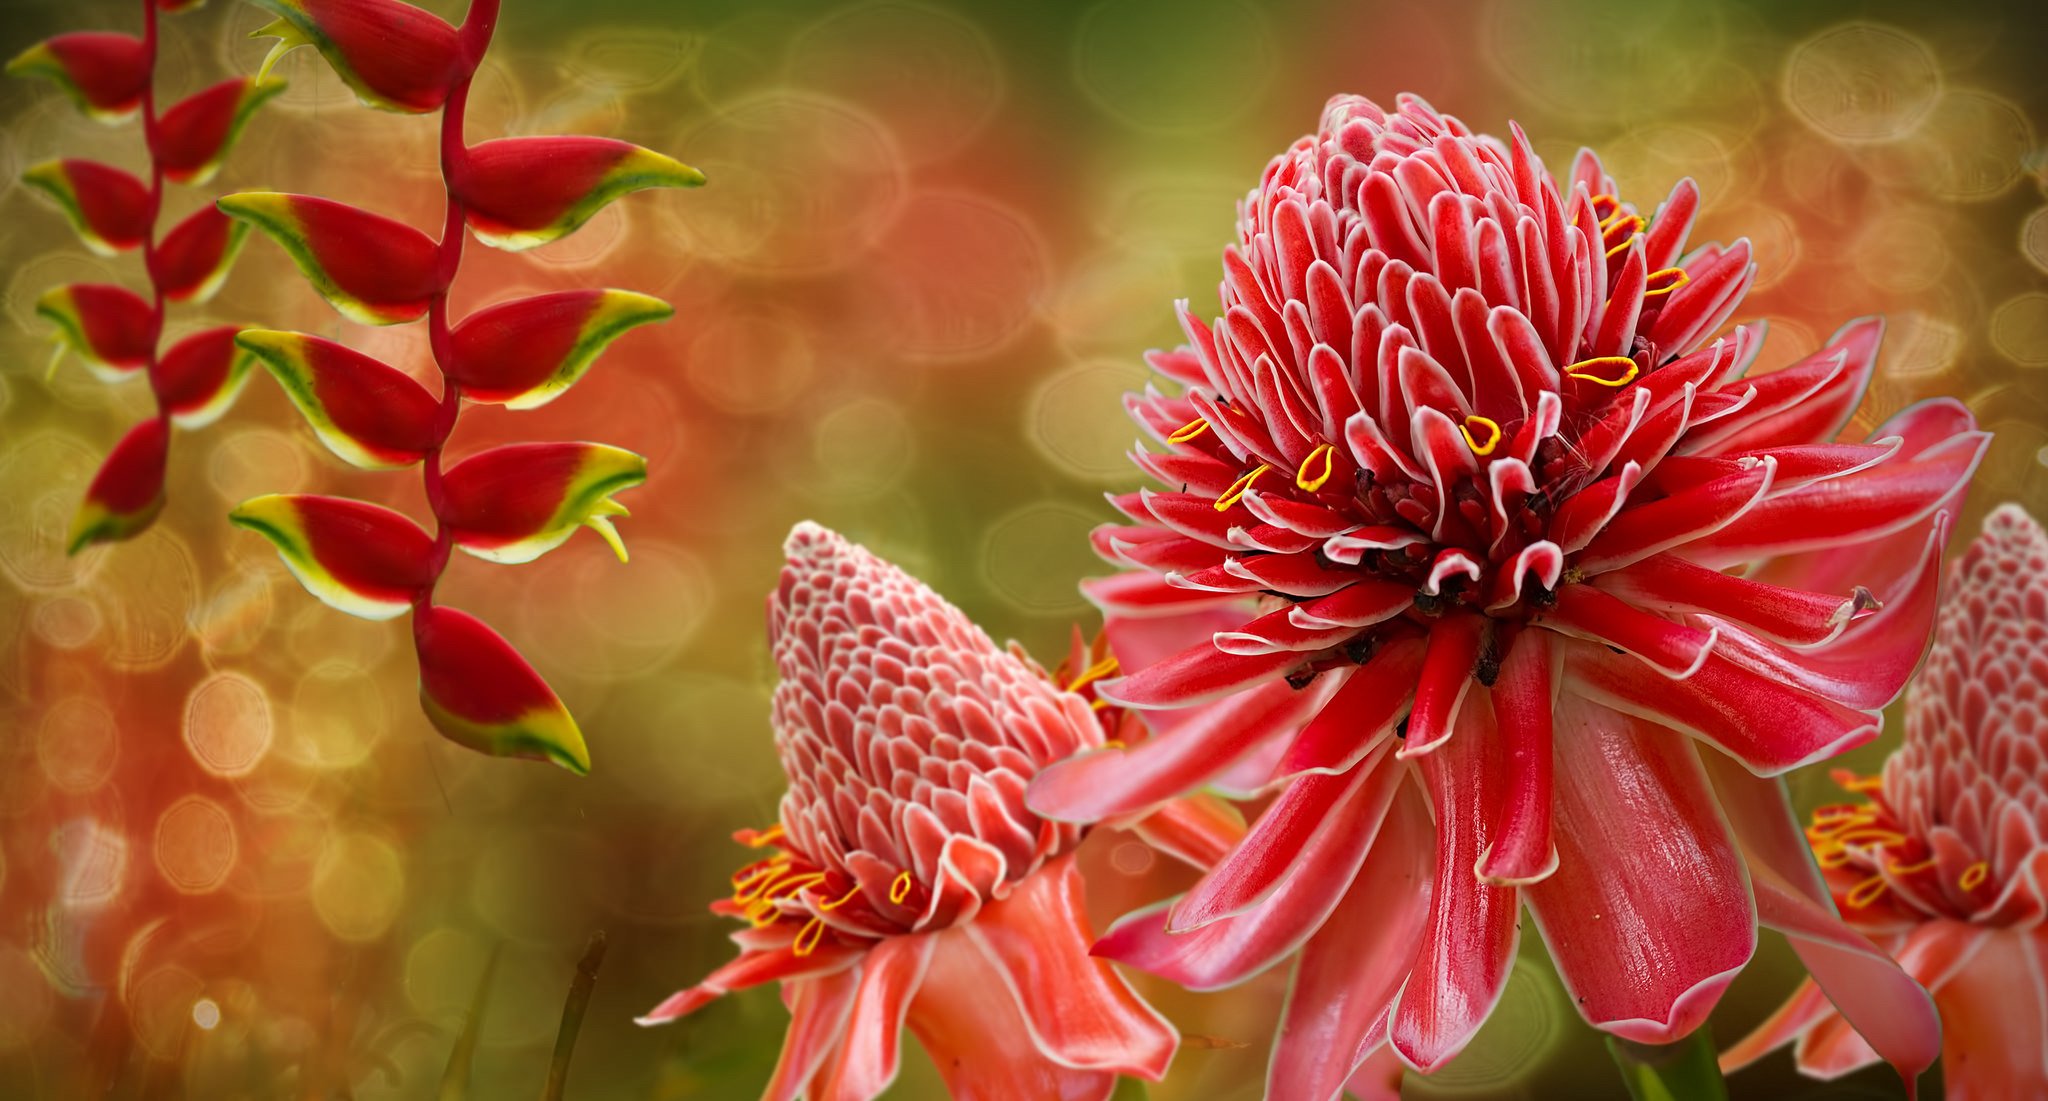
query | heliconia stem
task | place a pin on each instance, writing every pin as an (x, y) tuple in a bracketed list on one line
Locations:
[(1682, 1071)]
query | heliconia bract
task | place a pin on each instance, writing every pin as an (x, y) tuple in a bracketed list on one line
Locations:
[(522, 192), (103, 73), (191, 261), (108, 208), (395, 56), (525, 353), (479, 692), (128, 491), (359, 558), (370, 414), (370, 268), (197, 378), (517, 502), (111, 328), (195, 134)]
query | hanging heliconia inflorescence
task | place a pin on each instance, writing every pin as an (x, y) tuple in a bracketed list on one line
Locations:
[(115, 330), (506, 504)]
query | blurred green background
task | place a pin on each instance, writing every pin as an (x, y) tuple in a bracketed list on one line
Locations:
[(936, 240)]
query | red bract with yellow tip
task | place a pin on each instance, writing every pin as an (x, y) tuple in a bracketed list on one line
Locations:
[(128, 491), (368, 267), (1945, 861), (522, 192), (907, 884), (393, 55), (197, 378), (111, 328), (479, 692), (108, 208), (527, 352), (1492, 525), (194, 136), (104, 73), (357, 557), (518, 502), (370, 414), (192, 260)]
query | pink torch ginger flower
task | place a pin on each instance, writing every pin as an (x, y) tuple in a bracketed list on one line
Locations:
[(908, 883), (1946, 863), (1522, 589)]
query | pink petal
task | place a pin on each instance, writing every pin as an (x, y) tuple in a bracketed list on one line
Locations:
[(1523, 702), (1648, 916), (1445, 681), (1358, 715), (1676, 650), (818, 1007), (751, 969), (1351, 970), (1196, 829), (1995, 1014), (1076, 1008), (1669, 584), (867, 1056), (970, 1024), (1805, 1009), (1197, 674)]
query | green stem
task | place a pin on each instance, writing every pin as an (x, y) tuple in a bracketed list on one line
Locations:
[(572, 1016), (455, 1079), (1683, 1071)]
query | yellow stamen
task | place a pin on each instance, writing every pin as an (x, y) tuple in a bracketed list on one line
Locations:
[(841, 900), (900, 889), (789, 888), (1112, 743), (1620, 248), (1312, 482), (1094, 673), (766, 837), (1832, 858), (1863, 785), (1664, 281), (1974, 875), (1237, 488), (1915, 868), (1098, 705), (1866, 892), (1868, 838), (1589, 370), (807, 938), (744, 876), (1492, 435), (1189, 430)]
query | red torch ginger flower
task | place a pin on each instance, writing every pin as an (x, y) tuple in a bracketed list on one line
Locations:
[(908, 883), (1522, 587), (1946, 863)]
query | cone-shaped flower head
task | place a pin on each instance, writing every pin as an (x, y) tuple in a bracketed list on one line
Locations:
[(1485, 518), (908, 881), (1945, 862)]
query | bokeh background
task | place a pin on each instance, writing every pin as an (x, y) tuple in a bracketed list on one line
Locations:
[(235, 861)]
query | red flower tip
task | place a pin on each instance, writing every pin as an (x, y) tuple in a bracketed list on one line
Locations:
[(358, 558), (200, 376), (192, 260), (128, 491), (372, 415), (516, 503), (108, 208), (372, 269), (103, 73), (110, 327), (480, 693), (522, 192), (395, 56), (525, 353), (194, 136)]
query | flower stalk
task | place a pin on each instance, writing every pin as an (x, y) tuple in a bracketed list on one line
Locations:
[(1681, 1071)]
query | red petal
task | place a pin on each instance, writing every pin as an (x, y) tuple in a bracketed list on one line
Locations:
[(1648, 915), (1351, 970), (818, 1009), (195, 134), (1669, 584), (1076, 1008), (192, 260), (104, 73), (374, 270), (522, 192), (1195, 829), (1673, 649), (1445, 681), (394, 55), (479, 692), (1995, 1019), (515, 503), (526, 352), (1363, 711), (128, 492), (865, 1062), (1523, 701), (1197, 674), (360, 558), (1468, 946), (107, 208), (112, 328), (971, 1026), (370, 414), (197, 378), (753, 968)]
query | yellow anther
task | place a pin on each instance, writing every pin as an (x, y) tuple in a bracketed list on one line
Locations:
[(1612, 203), (1615, 371), (1915, 868), (1870, 837), (807, 938), (1620, 248), (766, 837), (1098, 705), (1112, 743), (771, 868), (791, 887), (841, 900), (1664, 281), (900, 889), (1834, 857), (759, 888), (1866, 892), (1093, 673), (1974, 875), (1237, 488), (1863, 785), (1316, 468), (1485, 425), (1189, 430)]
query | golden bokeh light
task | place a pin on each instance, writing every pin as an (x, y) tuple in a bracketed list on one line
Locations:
[(358, 885)]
